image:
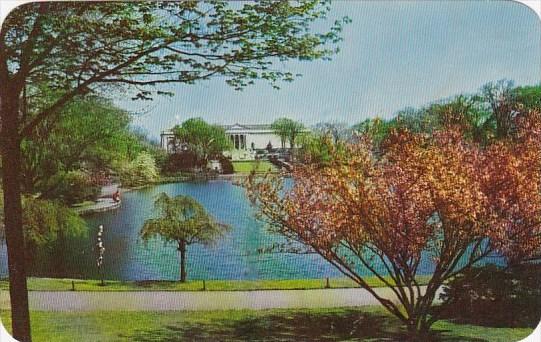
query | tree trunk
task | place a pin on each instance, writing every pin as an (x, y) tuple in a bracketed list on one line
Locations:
[(59, 254), (418, 326), (182, 250), (11, 153), (418, 332)]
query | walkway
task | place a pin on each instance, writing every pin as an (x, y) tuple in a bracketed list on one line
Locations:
[(211, 300), (101, 204), (105, 201), (109, 190)]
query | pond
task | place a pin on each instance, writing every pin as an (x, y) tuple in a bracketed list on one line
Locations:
[(234, 256)]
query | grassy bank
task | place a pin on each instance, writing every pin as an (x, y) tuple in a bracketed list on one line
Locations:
[(248, 166), (368, 323), (53, 284)]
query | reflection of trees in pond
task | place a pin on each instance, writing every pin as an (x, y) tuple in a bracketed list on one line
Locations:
[(235, 257), (126, 257)]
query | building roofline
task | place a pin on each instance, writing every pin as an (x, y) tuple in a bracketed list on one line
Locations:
[(251, 127)]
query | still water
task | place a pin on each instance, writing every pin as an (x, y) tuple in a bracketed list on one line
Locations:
[(234, 256)]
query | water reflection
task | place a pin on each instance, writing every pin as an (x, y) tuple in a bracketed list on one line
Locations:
[(234, 256)]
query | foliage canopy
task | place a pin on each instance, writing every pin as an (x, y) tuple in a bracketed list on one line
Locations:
[(418, 197), (75, 48), (204, 140), (288, 130)]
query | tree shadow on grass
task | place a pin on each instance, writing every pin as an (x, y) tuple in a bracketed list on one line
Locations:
[(345, 325)]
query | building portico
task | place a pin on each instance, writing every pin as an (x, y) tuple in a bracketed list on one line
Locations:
[(245, 139)]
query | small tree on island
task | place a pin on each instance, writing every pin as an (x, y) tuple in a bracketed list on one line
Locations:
[(437, 199), (184, 221)]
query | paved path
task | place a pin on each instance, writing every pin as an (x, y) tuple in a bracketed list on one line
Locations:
[(101, 204), (210, 300), (109, 190)]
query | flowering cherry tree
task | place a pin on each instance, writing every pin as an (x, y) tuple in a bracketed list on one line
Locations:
[(435, 198)]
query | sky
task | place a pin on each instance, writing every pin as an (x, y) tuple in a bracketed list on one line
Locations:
[(394, 55)]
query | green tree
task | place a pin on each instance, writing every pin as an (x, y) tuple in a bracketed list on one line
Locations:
[(205, 140), (288, 130), (280, 128), (376, 129), (528, 96), (415, 120), (184, 221), (135, 141), (499, 98), (505, 102), (320, 149), (339, 131), (485, 116), (81, 47), (141, 171), (87, 134), (71, 187), (46, 225), (466, 113)]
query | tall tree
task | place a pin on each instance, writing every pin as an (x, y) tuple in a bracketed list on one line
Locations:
[(415, 120), (528, 97), (499, 97), (47, 224), (203, 139), (81, 47), (378, 129), (280, 128), (339, 131), (320, 149), (464, 112), (184, 221), (288, 130), (483, 117), (86, 133), (439, 199)]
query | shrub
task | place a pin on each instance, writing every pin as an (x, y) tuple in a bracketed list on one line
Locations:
[(72, 187), (141, 171), (46, 225), (161, 157), (495, 296), (183, 161), (227, 165)]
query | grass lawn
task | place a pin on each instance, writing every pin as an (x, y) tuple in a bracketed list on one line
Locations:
[(53, 284), (366, 324), (248, 166)]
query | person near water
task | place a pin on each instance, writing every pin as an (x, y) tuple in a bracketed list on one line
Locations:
[(116, 196)]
